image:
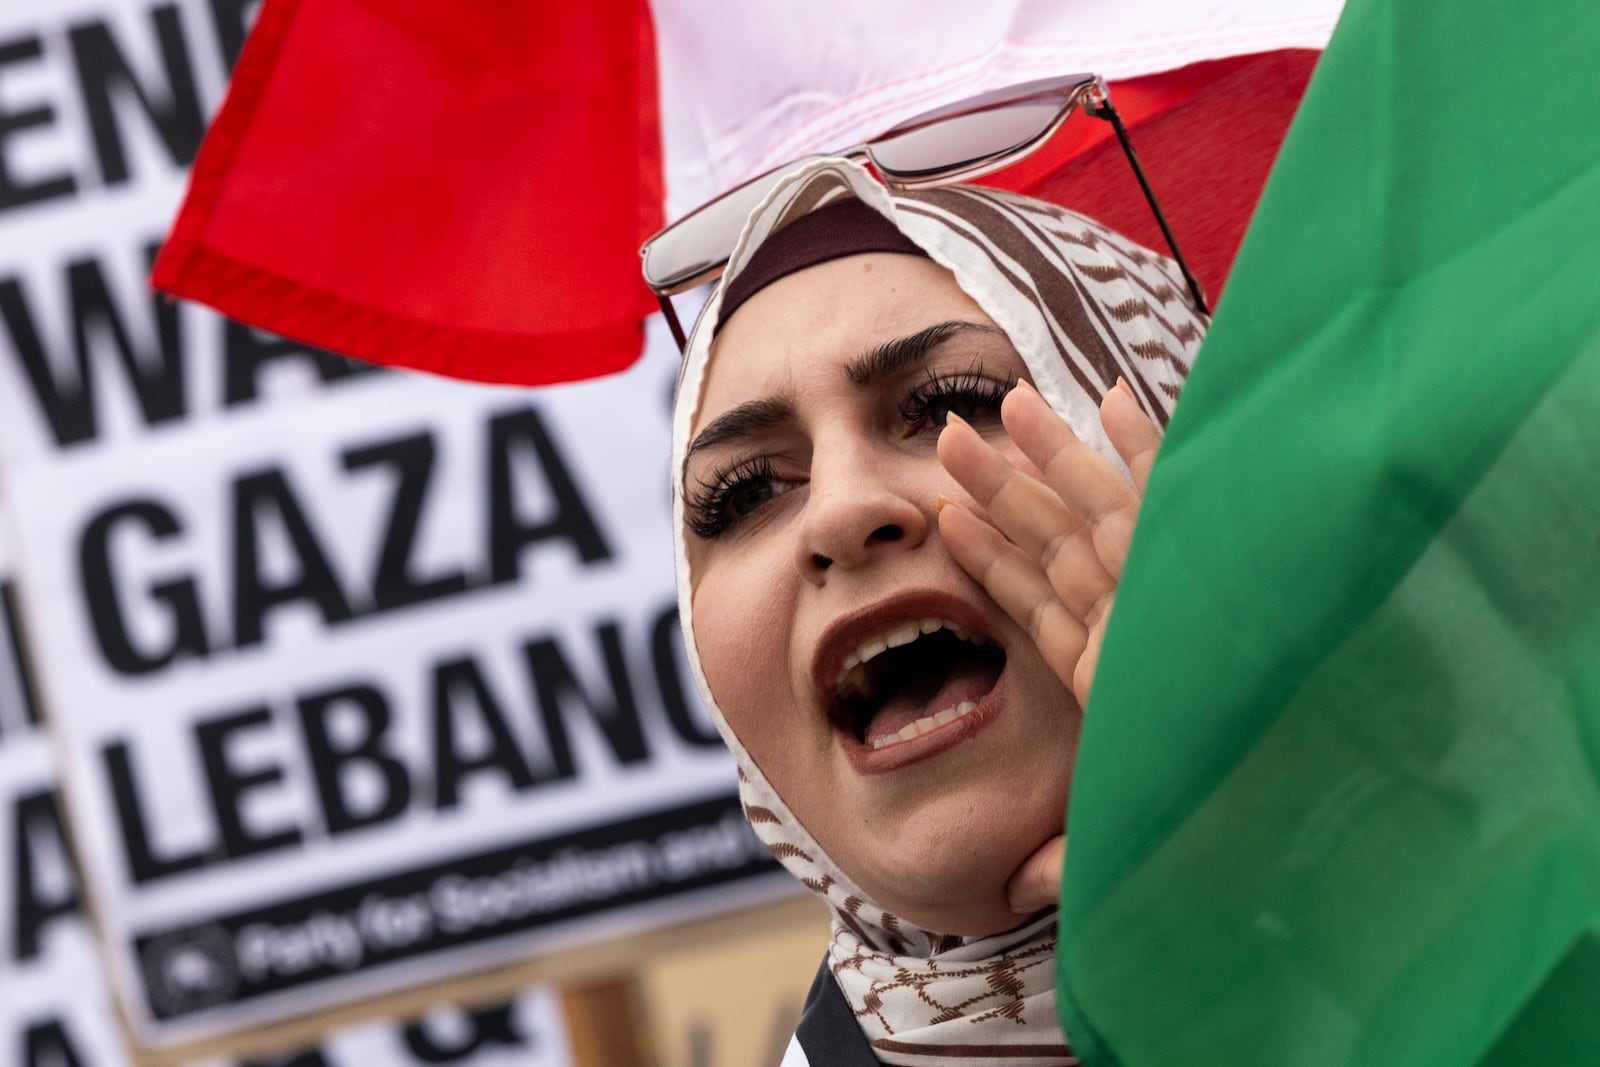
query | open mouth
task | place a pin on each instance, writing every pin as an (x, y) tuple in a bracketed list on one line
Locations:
[(914, 678)]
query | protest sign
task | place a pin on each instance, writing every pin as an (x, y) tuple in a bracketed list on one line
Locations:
[(359, 678), (526, 1031), (54, 1006)]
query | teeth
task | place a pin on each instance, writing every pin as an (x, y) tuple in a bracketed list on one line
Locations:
[(921, 726), (851, 680), (904, 635)]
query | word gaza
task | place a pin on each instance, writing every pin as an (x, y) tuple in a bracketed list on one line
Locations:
[(145, 618)]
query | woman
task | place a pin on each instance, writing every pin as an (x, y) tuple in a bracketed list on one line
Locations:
[(894, 565)]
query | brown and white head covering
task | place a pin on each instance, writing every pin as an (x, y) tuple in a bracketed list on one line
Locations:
[(1082, 305)]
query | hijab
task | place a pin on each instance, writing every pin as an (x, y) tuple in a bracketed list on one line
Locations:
[(1083, 306)]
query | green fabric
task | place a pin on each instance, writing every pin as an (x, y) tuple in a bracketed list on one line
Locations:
[(1338, 794)]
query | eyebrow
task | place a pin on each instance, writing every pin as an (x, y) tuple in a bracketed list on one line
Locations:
[(754, 416), (892, 356), (742, 420)]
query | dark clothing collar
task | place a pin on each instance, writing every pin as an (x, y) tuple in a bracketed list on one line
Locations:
[(828, 1032)]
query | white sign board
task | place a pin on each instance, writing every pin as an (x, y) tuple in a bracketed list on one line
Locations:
[(54, 1006), (525, 1032), (359, 678)]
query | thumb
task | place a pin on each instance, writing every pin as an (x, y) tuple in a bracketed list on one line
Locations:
[(1037, 883)]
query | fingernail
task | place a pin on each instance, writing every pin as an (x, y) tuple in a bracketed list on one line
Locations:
[(941, 502), (1122, 383), (1019, 906), (1023, 383), (951, 416)]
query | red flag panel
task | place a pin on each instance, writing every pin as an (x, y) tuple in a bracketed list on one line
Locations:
[(456, 188)]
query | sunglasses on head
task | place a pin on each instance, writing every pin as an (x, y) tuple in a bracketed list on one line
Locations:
[(966, 139)]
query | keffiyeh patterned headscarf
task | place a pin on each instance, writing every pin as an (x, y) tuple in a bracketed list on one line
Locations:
[(1083, 306)]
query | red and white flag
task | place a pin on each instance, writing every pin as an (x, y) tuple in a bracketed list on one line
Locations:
[(462, 187)]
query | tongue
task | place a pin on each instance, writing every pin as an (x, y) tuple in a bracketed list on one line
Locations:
[(925, 697)]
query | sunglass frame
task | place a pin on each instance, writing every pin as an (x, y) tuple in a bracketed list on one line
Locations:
[(1086, 91)]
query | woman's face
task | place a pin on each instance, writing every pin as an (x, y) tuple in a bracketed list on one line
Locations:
[(909, 724)]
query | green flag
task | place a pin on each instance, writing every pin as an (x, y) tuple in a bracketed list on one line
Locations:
[(1338, 795)]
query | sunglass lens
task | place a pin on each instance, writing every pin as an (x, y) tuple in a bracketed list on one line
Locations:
[(704, 240), (963, 140)]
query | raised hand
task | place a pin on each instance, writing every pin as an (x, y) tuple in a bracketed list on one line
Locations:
[(1052, 549)]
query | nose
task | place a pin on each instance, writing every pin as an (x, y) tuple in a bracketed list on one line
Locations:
[(860, 506)]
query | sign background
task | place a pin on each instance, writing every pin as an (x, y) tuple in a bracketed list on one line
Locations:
[(53, 1002), (315, 641), (526, 1031)]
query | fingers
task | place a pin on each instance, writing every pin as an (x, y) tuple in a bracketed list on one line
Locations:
[(1131, 432), (1037, 883), (1030, 515), (1083, 673), (1018, 585), (1089, 484), (1056, 547)]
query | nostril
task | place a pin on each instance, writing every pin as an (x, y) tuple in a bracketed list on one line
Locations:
[(890, 532), (820, 561)]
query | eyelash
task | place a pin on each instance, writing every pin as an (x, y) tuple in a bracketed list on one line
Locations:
[(708, 507), (948, 390)]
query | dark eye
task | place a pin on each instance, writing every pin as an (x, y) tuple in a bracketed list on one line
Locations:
[(730, 495), (743, 499), (970, 395), (969, 406)]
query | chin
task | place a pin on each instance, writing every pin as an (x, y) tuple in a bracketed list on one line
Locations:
[(973, 919), (947, 868)]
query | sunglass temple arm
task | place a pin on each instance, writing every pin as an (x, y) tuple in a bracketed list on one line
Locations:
[(1100, 107), (672, 321)]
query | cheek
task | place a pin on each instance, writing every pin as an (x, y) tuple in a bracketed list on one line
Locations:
[(742, 632)]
